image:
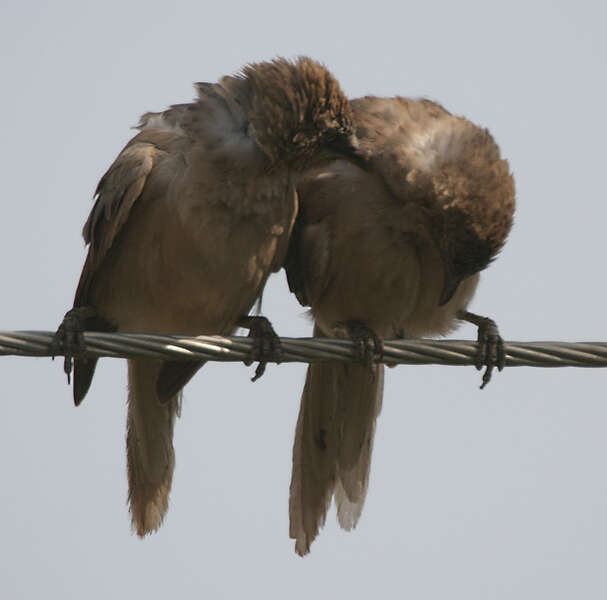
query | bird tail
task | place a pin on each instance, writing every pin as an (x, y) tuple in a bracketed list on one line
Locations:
[(149, 445), (333, 446)]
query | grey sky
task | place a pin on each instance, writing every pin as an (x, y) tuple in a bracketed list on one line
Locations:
[(474, 495)]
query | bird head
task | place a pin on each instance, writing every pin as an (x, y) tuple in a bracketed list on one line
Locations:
[(297, 111), (471, 203)]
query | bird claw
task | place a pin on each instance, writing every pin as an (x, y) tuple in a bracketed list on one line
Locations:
[(368, 345), (69, 338), (266, 345), (490, 351)]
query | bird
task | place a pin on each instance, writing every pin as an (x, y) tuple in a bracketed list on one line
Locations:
[(187, 224), (391, 249)]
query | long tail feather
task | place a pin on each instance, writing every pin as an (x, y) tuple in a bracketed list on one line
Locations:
[(149, 444), (333, 446)]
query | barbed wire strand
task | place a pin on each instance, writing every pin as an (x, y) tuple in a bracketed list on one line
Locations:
[(235, 348)]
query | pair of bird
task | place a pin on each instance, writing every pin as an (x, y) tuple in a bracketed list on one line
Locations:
[(383, 211)]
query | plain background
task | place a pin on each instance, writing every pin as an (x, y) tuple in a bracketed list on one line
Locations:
[(474, 495)]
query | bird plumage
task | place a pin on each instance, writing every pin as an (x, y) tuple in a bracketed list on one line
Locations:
[(398, 248), (188, 223)]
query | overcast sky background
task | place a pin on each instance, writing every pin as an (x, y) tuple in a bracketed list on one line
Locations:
[(496, 494)]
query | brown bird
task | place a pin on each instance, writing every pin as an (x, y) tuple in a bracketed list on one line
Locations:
[(394, 250), (188, 223)]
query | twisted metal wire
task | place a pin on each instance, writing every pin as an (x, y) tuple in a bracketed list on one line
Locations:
[(411, 352)]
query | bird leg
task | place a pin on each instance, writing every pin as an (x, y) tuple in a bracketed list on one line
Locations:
[(490, 351), (266, 343), (69, 337)]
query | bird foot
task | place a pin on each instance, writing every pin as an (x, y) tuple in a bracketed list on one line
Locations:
[(369, 347), (490, 345), (69, 337), (266, 343)]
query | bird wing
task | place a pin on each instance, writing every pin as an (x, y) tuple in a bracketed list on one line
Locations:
[(158, 153)]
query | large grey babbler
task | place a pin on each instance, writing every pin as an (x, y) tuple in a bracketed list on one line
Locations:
[(393, 249), (188, 223)]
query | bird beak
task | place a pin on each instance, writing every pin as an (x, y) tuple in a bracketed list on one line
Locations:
[(450, 286)]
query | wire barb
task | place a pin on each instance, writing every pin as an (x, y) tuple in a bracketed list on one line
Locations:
[(411, 352)]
